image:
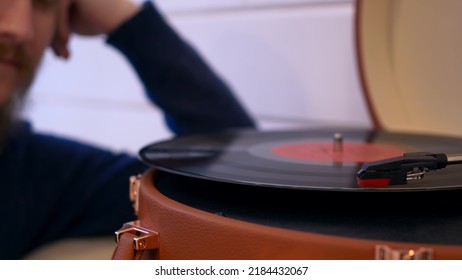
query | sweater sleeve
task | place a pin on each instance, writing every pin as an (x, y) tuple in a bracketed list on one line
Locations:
[(193, 98), (58, 188)]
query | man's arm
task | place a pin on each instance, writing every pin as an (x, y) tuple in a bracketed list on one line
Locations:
[(89, 17), (193, 98)]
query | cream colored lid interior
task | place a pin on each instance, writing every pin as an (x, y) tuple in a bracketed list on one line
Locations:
[(411, 56)]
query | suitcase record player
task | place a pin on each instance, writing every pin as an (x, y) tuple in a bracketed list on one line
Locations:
[(294, 194)]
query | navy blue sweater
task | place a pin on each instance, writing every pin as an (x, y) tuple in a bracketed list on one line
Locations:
[(55, 188)]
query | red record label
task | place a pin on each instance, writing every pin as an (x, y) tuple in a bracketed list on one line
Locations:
[(354, 152)]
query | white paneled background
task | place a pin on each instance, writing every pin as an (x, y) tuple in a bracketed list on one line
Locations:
[(291, 62)]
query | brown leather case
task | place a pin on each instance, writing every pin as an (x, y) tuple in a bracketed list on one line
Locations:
[(172, 230)]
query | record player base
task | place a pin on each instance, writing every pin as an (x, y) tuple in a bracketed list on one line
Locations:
[(178, 231)]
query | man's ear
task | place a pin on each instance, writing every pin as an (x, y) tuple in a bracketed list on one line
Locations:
[(60, 41)]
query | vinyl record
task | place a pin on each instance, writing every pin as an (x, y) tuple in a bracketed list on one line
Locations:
[(306, 159)]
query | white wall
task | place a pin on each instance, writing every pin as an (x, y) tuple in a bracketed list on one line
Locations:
[(291, 62)]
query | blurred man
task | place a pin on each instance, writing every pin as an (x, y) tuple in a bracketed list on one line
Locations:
[(56, 188)]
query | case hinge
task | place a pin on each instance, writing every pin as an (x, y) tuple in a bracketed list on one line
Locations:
[(135, 185)]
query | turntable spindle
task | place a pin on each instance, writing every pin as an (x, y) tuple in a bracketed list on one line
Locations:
[(338, 143)]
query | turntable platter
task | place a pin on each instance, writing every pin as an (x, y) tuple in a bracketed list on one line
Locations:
[(307, 159)]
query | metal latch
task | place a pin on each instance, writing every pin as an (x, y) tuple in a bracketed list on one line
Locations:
[(135, 185), (145, 239), (383, 252)]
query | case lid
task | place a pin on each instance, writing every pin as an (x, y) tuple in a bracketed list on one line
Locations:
[(410, 60)]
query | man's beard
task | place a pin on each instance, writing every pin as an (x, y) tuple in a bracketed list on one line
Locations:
[(9, 116), (6, 114), (11, 107)]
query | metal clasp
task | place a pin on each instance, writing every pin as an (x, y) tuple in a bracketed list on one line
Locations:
[(145, 239), (135, 185), (383, 252)]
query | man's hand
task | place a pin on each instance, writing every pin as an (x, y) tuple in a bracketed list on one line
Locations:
[(89, 17), (92, 17), (60, 41)]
